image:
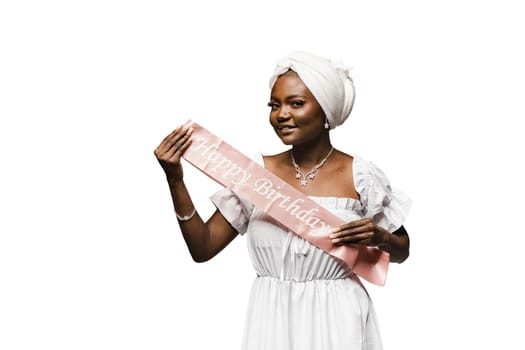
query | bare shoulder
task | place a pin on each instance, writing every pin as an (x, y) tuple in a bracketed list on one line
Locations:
[(341, 174), (342, 162), (345, 157), (280, 164), (275, 161)]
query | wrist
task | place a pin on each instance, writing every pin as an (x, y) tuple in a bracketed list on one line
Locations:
[(174, 181), (385, 242)]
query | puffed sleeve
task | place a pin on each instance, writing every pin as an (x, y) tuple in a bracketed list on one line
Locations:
[(235, 210), (387, 206)]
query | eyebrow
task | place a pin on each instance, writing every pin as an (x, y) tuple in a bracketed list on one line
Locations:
[(288, 97)]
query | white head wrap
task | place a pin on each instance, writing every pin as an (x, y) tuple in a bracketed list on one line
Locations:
[(329, 82)]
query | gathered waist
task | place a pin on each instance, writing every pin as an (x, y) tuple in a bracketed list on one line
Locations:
[(350, 280), (297, 280)]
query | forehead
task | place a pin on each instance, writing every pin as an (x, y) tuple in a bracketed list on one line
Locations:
[(289, 83)]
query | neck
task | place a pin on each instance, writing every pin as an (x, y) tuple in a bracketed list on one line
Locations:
[(311, 153)]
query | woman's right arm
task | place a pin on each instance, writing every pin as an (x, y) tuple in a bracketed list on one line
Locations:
[(204, 239)]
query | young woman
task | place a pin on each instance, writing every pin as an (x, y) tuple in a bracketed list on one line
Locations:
[(302, 298)]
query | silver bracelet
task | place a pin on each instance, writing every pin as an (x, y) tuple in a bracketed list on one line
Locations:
[(187, 217)]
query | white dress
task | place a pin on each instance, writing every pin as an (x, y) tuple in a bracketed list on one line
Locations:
[(302, 298)]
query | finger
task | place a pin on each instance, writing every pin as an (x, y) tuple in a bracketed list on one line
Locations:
[(366, 242), (169, 140), (180, 151), (357, 238), (174, 140), (360, 222), (174, 153), (368, 227), (166, 143), (352, 224), (185, 137), (351, 238)]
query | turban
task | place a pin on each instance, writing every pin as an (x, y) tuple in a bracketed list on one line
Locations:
[(329, 81)]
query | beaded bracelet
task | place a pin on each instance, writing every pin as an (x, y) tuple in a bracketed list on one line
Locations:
[(186, 217)]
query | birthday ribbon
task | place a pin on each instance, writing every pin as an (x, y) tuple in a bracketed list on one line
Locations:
[(284, 203)]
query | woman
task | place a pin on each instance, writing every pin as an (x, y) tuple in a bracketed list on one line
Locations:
[(302, 298)]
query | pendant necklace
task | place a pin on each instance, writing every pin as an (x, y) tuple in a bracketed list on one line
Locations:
[(311, 174)]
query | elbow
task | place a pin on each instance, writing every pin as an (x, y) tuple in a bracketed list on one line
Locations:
[(201, 258), (199, 253), (403, 254), (400, 250), (400, 259)]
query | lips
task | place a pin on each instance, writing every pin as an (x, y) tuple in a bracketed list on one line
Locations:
[(285, 127)]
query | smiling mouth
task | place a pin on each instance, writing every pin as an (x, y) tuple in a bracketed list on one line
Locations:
[(285, 127)]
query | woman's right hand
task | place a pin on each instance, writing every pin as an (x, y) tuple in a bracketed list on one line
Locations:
[(171, 149)]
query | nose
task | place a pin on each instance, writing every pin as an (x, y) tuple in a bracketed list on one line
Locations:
[(283, 114)]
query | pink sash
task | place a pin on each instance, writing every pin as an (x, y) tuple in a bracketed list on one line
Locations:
[(290, 207)]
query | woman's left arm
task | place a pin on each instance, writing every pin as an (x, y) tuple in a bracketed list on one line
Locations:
[(365, 231)]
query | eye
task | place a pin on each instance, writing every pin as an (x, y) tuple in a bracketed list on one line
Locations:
[(297, 103), (273, 105)]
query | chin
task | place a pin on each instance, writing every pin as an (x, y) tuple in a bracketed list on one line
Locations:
[(287, 140)]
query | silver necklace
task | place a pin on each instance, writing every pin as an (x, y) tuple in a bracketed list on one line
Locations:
[(311, 174)]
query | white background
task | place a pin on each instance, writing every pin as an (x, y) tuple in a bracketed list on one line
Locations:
[(90, 253)]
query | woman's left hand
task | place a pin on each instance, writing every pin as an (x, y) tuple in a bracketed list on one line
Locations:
[(363, 231)]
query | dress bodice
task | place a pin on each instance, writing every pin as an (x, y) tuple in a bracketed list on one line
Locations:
[(277, 252)]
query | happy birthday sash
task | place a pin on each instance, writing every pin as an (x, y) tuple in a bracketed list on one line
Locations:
[(284, 203)]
